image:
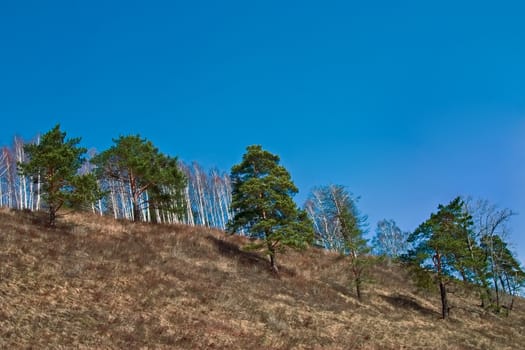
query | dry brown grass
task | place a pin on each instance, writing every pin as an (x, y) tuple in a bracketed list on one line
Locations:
[(99, 283)]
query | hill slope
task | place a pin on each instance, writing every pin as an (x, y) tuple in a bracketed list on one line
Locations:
[(99, 283)]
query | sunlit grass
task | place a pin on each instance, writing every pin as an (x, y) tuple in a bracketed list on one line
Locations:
[(95, 282)]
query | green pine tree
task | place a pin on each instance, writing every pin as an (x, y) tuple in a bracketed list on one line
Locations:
[(137, 164), (56, 162), (441, 249), (263, 206)]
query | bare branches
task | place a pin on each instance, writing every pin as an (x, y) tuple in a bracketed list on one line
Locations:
[(390, 240)]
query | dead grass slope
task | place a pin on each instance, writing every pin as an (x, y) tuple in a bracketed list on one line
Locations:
[(99, 283)]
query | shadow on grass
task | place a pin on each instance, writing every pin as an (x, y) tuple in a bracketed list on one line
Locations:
[(341, 288), (246, 258), (40, 218), (233, 251), (409, 303)]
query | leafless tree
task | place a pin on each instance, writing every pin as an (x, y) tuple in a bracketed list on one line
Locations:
[(208, 196), (390, 240), (340, 227)]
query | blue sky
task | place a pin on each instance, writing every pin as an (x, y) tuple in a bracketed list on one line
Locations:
[(407, 104)]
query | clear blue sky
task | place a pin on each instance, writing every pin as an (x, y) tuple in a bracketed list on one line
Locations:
[(408, 104)]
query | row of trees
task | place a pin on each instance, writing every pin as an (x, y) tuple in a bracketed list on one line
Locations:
[(17, 191), (126, 182), (462, 241), (466, 241)]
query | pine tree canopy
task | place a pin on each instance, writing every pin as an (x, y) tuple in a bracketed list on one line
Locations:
[(444, 233), (441, 246), (136, 163), (262, 203), (55, 162)]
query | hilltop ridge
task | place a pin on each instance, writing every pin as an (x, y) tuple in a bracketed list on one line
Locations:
[(95, 282)]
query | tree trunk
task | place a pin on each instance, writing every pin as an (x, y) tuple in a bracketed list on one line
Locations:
[(444, 300), (357, 282), (496, 289), (52, 216), (200, 194), (273, 262), (485, 295), (38, 190), (136, 210)]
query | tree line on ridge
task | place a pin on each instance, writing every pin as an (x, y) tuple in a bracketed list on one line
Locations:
[(465, 241)]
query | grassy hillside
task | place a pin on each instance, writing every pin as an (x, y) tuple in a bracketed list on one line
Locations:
[(99, 283)]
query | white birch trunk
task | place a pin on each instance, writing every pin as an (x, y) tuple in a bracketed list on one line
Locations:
[(38, 193), (3, 177), (146, 213), (113, 198), (200, 194), (21, 179), (189, 213), (11, 186)]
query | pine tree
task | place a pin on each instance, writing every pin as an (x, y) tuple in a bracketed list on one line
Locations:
[(56, 161), (262, 204), (440, 247), (153, 179)]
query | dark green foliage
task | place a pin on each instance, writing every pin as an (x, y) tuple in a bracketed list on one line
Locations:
[(135, 162), (441, 246), (450, 246), (262, 204), (55, 162)]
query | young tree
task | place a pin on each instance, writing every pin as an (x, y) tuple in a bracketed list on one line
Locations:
[(262, 204), (152, 178), (440, 246), (390, 240), (56, 161), (340, 226)]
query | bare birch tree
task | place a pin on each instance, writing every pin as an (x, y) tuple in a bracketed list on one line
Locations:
[(390, 240), (339, 226)]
